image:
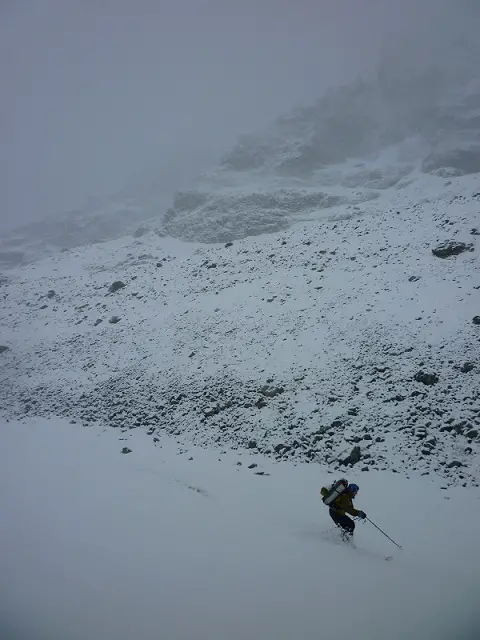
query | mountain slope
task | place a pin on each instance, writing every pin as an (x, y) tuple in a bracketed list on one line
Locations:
[(172, 542), (346, 342), (351, 146)]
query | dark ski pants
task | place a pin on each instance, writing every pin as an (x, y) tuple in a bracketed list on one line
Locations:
[(343, 521)]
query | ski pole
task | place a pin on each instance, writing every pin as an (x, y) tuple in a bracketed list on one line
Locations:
[(399, 546)]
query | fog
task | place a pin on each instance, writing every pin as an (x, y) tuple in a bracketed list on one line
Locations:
[(96, 92)]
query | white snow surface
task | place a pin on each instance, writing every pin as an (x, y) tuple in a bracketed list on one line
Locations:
[(182, 543), (300, 344)]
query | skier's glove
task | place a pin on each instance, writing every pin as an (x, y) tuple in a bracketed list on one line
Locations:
[(361, 514)]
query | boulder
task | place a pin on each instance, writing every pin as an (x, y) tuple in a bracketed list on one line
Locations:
[(271, 391), (353, 457), (451, 248), (208, 412), (115, 286), (426, 378), (453, 464)]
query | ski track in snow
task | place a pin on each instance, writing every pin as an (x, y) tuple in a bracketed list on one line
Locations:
[(323, 314)]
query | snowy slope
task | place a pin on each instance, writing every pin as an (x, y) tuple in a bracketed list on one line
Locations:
[(343, 340), (181, 543)]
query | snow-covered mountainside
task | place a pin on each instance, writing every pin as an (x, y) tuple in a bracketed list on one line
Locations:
[(349, 148), (183, 543), (349, 340)]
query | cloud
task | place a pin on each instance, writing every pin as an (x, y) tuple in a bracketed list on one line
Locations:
[(95, 91)]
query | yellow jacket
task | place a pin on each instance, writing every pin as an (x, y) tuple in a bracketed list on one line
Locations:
[(342, 504)]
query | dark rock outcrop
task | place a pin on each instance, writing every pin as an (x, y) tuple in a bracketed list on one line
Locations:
[(426, 378), (115, 286), (450, 248), (354, 456)]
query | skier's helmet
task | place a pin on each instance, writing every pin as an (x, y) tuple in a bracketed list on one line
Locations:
[(353, 488)]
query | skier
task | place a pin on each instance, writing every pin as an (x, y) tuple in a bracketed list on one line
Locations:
[(339, 497)]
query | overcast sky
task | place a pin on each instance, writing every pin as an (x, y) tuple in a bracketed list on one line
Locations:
[(95, 91)]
